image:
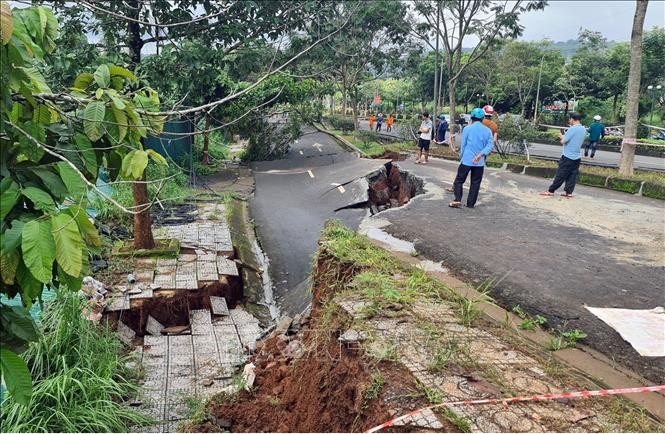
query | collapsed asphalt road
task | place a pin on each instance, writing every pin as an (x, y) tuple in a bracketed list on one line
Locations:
[(294, 197), (551, 256)]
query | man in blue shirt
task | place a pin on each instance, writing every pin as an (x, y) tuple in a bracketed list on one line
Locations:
[(596, 132), (477, 143), (569, 164)]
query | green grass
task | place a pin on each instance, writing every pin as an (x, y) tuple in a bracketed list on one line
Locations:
[(374, 389), (80, 378)]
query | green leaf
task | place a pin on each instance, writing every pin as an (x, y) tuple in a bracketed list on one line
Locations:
[(33, 152), (38, 249), (121, 121), (119, 71), (41, 115), (8, 266), (68, 244), (8, 199), (72, 283), (118, 103), (87, 153), (18, 325), (86, 228), (37, 80), (93, 116), (83, 80), (11, 238), (16, 113), (31, 287), (75, 185), (157, 157), (16, 376), (52, 182), (102, 76), (99, 93), (41, 199), (134, 164)]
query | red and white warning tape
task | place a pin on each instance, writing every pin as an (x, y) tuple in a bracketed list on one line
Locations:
[(545, 397)]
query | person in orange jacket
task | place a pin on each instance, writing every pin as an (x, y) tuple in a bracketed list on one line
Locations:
[(372, 119), (389, 122)]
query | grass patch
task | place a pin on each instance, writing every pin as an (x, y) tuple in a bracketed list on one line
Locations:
[(80, 378), (375, 387), (381, 289), (345, 245), (627, 185), (459, 421)]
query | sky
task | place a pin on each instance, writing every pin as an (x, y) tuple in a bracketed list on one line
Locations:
[(562, 20)]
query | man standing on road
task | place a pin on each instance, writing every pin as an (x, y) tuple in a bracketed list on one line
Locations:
[(379, 121), (442, 128), (596, 133), (425, 131), (477, 143), (489, 123), (389, 122), (569, 164)]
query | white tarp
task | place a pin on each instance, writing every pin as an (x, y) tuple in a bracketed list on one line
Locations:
[(643, 329)]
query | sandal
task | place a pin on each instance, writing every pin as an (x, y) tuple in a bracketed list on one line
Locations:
[(567, 195), (546, 193), (450, 189), (455, 204)]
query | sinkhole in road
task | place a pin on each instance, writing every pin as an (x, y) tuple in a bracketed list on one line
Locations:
[(388, 187), (392, 187)]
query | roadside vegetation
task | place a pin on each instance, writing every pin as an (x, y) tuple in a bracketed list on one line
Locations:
[(81, 377)]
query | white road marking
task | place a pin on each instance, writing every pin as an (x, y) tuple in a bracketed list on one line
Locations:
[(341, 189), (311, 175), (318, 146), (301, 152)]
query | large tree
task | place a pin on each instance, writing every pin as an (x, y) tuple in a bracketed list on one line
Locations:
[(633, 96), (486, 20)]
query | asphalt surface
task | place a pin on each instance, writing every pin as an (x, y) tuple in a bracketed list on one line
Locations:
[(603, 158), (293, 199), (551, 256)]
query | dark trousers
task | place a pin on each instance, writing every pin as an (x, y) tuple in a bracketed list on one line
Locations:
[(567, 172), (476, 178), (590, 144), (378, 126)]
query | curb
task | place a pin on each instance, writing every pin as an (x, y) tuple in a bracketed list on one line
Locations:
[(615, 183), (593, 365), (342, 141)]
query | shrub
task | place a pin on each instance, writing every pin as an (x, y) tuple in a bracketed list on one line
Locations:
[(514, 133), (80, 379), (627, 185), (342, 123)]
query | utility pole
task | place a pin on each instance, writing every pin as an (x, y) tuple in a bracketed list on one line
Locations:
[(436, 71), (540, 73)]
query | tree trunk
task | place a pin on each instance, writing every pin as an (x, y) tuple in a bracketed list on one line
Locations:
[(435, 106), (356, 126), (142, 225), (614, 109), (206, 141), (633, 94), (134, 41), (452, 125)]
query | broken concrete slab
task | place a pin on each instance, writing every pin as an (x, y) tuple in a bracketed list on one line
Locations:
[(352, 335), (125, 333), (226, 266), (282, 325), (153, 326), (218, 305)]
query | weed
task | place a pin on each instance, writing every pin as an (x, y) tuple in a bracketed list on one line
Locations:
[(517, 310), (556, 343), (215, 215), (573, 336), (197, 412), (384, 350), (239, 382), (631, 418), (441, 357), (381, 289), (80, 380), (460, 422), (433, 396), (532, 323), (273, 401), (374, 389)]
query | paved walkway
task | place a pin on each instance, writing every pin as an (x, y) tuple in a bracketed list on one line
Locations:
[(194, 361)]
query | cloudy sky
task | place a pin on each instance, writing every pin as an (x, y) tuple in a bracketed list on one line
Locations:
[(561, 20)]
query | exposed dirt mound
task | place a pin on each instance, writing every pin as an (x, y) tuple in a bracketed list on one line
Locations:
[(391, 187), (310, 382)]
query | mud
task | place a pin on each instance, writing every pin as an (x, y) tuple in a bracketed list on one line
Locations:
[(322, 388), (392, 187)]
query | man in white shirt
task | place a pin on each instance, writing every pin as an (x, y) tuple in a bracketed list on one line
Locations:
[(424, 139)]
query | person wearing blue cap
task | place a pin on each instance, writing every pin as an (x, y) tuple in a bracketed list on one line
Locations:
[(477, 143)]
